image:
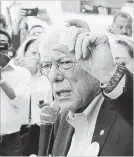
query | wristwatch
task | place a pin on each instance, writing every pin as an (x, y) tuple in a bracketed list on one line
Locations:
[(114, 81)]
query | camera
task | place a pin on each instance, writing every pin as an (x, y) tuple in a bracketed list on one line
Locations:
[(4, 46), (32, 12), (4, 59)]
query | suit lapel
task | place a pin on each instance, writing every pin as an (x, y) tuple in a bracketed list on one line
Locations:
[(104, 123), (63, 137)]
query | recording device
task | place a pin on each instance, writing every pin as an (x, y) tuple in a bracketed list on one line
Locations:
[(3, 46), (4, 59), (48, 117), (32, 12), (11, 52)]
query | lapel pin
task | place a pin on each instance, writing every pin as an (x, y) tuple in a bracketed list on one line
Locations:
[(102, 132)]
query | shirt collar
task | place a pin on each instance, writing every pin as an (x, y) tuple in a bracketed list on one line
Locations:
[(88, 112)]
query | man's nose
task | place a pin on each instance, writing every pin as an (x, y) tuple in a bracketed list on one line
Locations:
[(124, 30), (55, 75)]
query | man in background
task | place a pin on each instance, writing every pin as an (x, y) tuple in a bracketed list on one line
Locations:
[(122, 24)]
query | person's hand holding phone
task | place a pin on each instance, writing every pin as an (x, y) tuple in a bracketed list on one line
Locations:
[(43, 15), (21, 14)]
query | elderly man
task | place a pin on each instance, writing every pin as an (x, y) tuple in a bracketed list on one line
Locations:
[(89, 124)]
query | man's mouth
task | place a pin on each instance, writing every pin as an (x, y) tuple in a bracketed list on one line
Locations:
[(63, 94)]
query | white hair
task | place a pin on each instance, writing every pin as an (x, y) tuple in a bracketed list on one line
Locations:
[(54, 35)]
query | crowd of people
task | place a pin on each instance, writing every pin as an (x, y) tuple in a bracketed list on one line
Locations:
[(89, 77)]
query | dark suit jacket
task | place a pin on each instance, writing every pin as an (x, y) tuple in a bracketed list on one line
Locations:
[(115, 118)]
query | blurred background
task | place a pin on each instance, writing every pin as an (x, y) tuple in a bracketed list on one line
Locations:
[(94, 12)]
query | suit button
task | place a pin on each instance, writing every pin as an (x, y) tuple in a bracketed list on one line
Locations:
[(102, 132)]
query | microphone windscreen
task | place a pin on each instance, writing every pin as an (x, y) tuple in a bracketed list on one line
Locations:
[(48, 115)]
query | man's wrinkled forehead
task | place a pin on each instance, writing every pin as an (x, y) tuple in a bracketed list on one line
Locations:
[(51, 47)]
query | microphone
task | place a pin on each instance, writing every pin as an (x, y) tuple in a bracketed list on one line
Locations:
[(48, 117)]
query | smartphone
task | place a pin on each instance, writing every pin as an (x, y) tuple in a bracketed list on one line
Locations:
[(3, 46), (32, 12), (4, 59)]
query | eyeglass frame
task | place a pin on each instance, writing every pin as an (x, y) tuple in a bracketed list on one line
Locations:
[(56, 65)]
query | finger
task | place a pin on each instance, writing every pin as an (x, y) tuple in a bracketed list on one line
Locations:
[(66, 24), (73, 34), (23, 11), (60, 48), (68, 21), (86, 47), (78, 47), (23, 14)]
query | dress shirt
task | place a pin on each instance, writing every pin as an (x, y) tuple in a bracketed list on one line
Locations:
[(19, 79), (84, 124)]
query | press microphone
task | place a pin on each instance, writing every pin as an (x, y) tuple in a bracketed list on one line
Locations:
[(48, 117)]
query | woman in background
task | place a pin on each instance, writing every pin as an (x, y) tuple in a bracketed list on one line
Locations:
[(28, 56)]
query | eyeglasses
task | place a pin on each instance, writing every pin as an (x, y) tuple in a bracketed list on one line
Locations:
[(61, 65)]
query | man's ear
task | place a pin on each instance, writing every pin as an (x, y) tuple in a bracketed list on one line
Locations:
[(111, 29)]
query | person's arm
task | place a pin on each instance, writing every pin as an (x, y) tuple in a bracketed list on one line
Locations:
[(16, 24), (22, 90), (9, 20), (7, 89)]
